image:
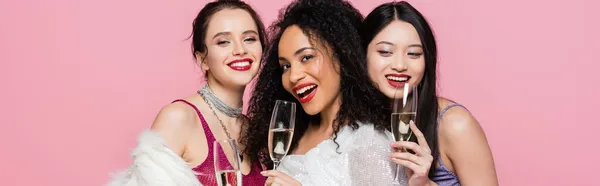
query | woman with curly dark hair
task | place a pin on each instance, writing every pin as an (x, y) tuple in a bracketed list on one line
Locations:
[(316, 61)]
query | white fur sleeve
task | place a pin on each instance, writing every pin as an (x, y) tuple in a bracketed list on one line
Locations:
[(154, 164)]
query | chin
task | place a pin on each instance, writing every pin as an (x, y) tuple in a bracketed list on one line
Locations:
[(241, 84), (310, 110), (241, 81), (387, 91)]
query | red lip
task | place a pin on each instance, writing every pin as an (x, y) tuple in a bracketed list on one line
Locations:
[(240, 68), (397, 84), (398, 75), (308, 97)]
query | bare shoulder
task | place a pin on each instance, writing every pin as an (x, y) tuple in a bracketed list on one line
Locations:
[(457, 121), (174, 123), (175, 116), (464, 143)]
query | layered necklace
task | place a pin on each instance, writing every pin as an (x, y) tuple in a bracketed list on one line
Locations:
[(211, 99)]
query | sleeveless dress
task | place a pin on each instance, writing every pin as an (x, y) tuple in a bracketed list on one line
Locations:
[(360, 159), (205, 172), (443, 176)]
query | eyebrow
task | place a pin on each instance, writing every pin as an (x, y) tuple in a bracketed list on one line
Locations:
[(384, 42), (221, 33), (416, 45), (229, 33), (298, 52), (302, 50), (390, 43), (250, 32)]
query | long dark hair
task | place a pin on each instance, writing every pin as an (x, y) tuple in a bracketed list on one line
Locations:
[(378, 19), (336, 24)]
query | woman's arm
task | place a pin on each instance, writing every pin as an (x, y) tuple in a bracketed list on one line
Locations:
[(157, 157), (463, 141), (174, 123)]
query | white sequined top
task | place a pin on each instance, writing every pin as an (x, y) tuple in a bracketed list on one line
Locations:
[(362, 160)]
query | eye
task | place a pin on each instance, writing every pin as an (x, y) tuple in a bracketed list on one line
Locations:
[(306, 58), (250, 39), (415, 54), (384, 53), (285, 67), (221, 43)]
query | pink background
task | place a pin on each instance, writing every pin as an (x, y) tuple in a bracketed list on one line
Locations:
[(80, 79)]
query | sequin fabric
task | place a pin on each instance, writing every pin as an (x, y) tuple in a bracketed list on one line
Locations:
[(362, 160), (205, 172)]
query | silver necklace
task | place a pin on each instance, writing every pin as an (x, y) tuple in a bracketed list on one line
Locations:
[(210, 99), (220, 105)]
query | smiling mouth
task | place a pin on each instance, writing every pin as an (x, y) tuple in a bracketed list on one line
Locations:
[(305, 91), (241, 64), (397, 80)]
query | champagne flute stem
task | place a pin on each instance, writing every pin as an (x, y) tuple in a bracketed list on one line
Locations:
[(276, 164), (397, 173)]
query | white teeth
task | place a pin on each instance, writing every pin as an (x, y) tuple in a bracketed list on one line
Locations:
[(302, 90), (240, 64), (394, 78)]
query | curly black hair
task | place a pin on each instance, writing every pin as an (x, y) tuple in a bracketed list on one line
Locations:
[(335, 23)]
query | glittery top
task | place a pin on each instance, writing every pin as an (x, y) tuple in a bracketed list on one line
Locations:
[(443, 176), (205, 172), (362, 160)]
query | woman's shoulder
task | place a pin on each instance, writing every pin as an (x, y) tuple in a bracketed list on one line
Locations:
[(463, 141), (178, 116), (175, 123), (368, 135), (369, 127), (458, 128), (455, 119)]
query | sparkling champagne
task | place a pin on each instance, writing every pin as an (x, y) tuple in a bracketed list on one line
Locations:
[(279, 142), (401, 125), (229, 178)]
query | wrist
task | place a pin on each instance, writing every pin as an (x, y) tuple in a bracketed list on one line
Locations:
[(431, 183)]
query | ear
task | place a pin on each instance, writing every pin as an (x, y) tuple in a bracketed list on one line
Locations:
[(201, 60)]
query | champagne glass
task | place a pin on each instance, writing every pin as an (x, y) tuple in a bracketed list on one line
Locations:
[(228, 172), (281, 130), (404, 112)]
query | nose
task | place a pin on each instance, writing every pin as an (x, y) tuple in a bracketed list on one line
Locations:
[(239, 49), (296, 73), (399, 64)]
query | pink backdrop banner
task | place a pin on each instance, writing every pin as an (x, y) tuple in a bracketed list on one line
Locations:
[(80, 79)]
